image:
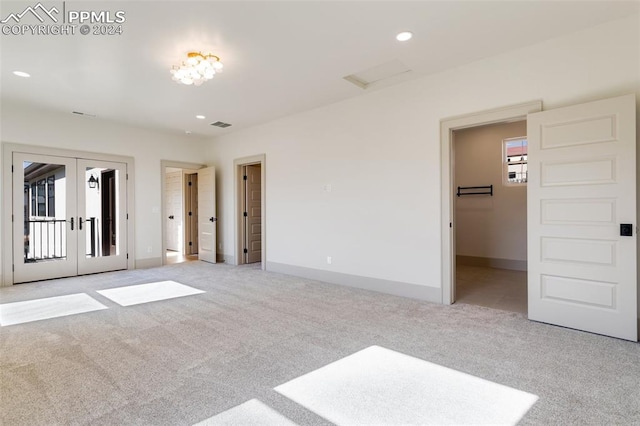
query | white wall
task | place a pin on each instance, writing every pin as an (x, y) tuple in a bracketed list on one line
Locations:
[(492, 227), (26, 125), (381, 154)]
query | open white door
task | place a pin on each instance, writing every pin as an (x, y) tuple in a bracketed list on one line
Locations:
[(207, 214), (581, 197)]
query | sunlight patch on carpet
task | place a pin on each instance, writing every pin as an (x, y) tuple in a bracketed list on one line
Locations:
[(252, 412), (381, 386), (151, 292), (50, 307)]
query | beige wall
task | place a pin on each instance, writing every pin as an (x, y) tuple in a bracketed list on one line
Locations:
[(22, 124), (495, 226), (381, 154)]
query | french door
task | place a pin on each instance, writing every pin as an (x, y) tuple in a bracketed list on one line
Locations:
[(69, 216)]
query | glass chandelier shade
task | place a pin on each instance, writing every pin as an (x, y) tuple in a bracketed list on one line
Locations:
[(197, 69)]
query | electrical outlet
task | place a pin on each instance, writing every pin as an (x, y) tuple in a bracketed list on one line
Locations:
[(149, 249), (329, 260), (327, 188)]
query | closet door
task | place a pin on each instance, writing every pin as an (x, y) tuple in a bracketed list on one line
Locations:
[(45, 228)]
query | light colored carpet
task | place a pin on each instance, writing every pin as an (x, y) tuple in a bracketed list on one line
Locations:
[(49, 307), (145, 293), (252, 412), (380, 386), (184, 360)]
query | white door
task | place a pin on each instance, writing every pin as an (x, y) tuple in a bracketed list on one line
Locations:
[(45, 243), (581, 195), (69, 217), (253, 219), (207, 214), (173, 197), (102, 217)]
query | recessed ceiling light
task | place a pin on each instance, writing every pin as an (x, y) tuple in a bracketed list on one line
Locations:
[(200, 117), (188, 132), (404, 36), (21, 74)]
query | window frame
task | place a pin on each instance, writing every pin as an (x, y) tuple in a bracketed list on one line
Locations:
[(506, 163), (46, 184)]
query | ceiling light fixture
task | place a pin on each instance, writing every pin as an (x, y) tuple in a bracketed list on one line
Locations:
[(200, 117), (404, 36), (22, 74), (197, 69)]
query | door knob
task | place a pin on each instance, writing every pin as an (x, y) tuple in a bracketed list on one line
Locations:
[(626, 229), (213, 219), (171, 217)]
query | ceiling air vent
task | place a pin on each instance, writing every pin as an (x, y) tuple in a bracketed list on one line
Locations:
[(364, 79), (221, 124)]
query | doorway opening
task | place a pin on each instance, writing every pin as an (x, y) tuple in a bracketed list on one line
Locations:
[(490, 177), (250, 211), (450, 128), (180, 212)]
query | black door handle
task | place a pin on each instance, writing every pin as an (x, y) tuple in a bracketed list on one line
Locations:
[(171, 217), (80, 223), (626, 229), (213, 219), (72, 224)]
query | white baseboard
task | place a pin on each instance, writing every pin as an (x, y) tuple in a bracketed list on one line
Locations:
[(225, 258), (151, 262), (515, 265), (396, 288)]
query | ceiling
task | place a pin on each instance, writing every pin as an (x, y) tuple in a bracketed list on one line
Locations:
[(280, 57)]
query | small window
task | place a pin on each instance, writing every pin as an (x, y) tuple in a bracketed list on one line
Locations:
[(515, 160), (51, 196), (42, 198)]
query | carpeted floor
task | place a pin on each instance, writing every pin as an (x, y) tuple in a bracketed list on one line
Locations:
[(181, 361)]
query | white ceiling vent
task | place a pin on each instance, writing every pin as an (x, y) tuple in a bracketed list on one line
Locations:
[(221, 124), (364, 79)]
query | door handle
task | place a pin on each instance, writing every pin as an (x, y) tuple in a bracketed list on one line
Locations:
[(171, 217), (80, 224), (213, 219), (72, 224), (626, 230)]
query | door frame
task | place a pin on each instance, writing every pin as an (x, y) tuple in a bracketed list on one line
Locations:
[(6, 254), (238, 163), (505, 114), (163, 209)]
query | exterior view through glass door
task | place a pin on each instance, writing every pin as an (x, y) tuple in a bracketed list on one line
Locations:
[(69, 216), (101, 216)]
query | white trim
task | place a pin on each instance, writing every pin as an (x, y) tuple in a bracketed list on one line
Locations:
[(447, 126), (237, 217), (8, 149), (163, 168), (396, 288)]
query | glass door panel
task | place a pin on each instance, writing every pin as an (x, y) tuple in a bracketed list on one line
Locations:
[(102, 217), (45, 241)]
